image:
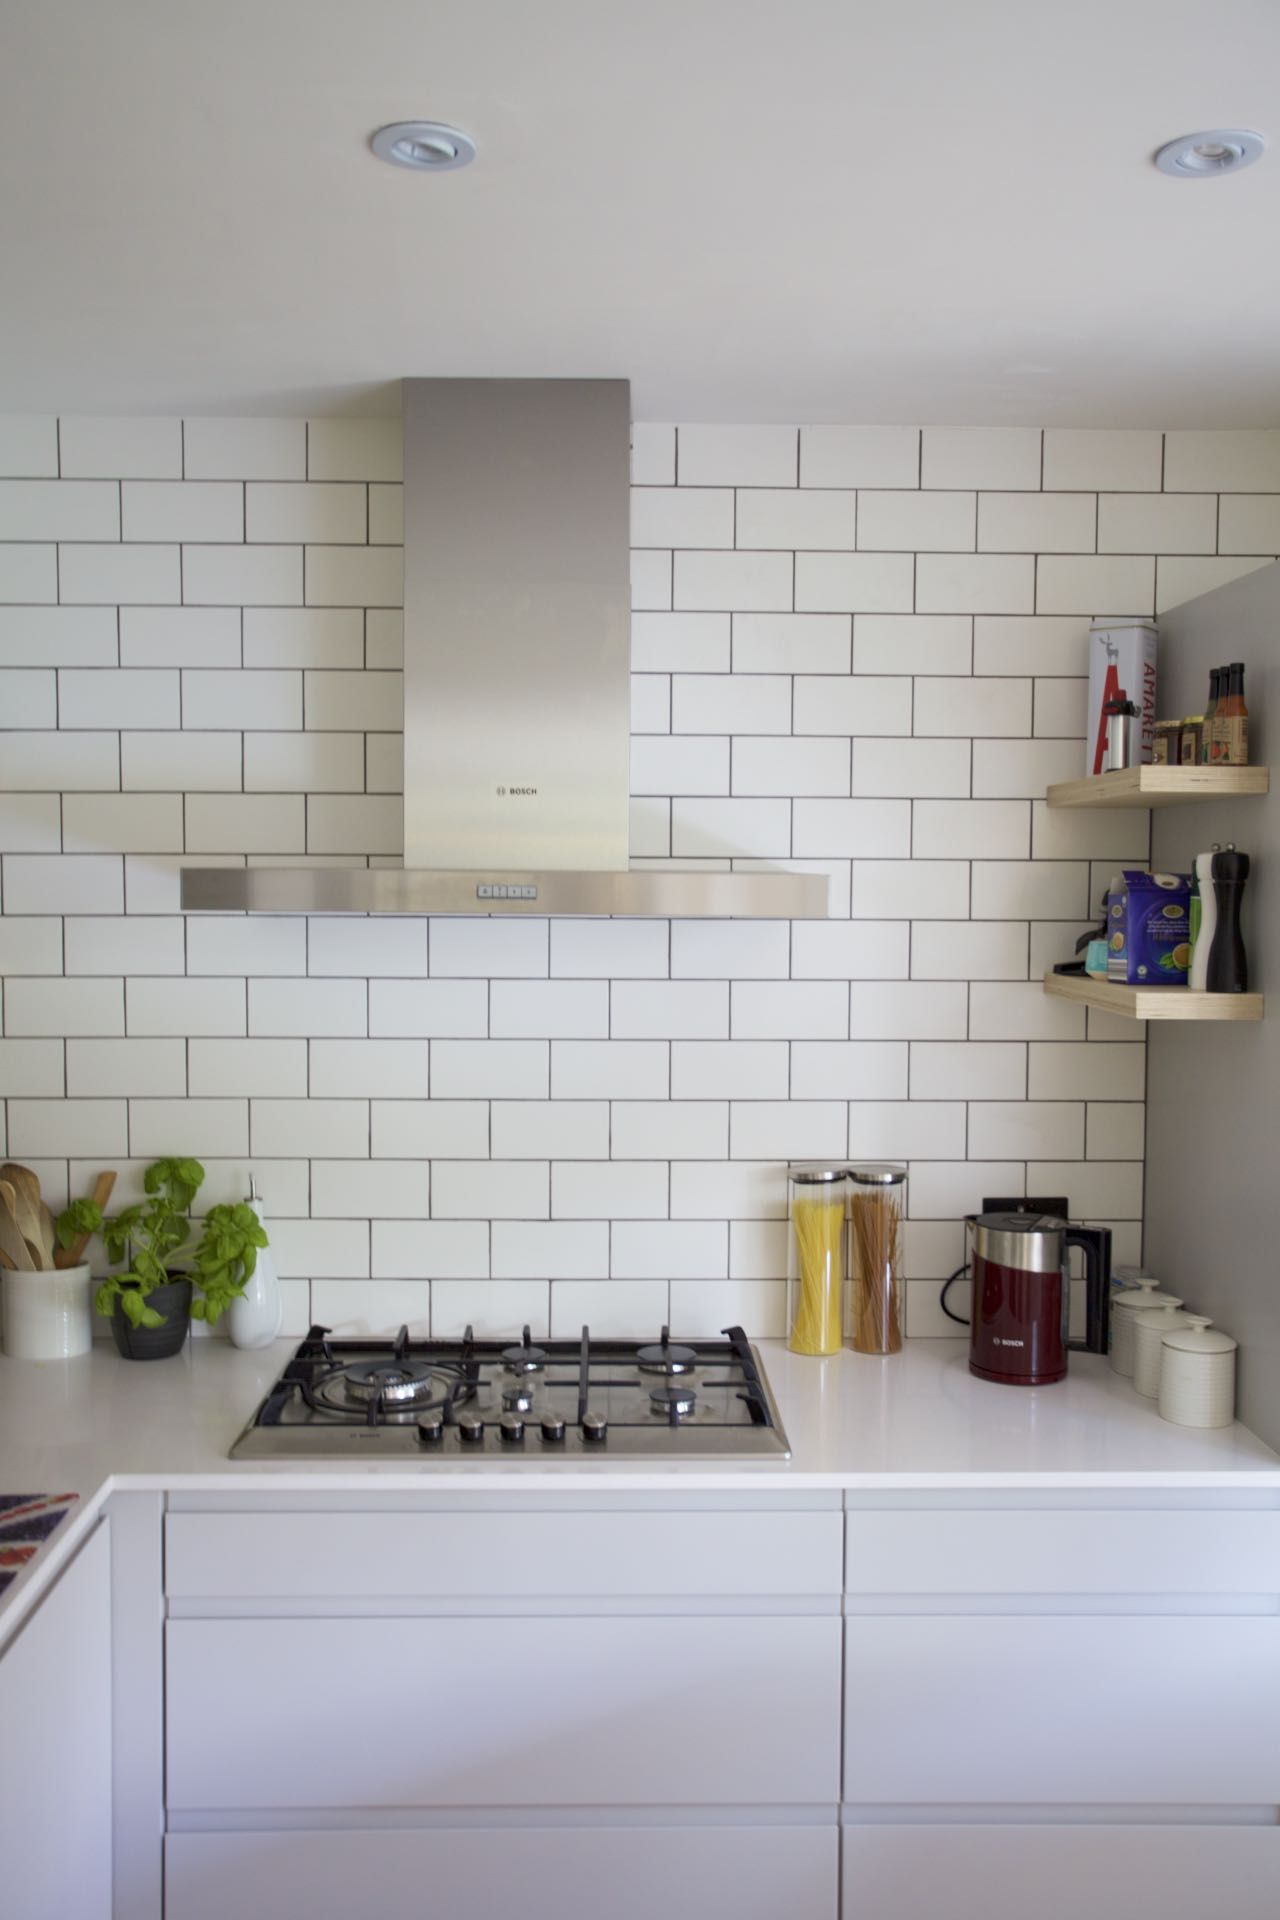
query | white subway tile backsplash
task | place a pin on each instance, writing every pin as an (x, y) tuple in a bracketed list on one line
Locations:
[(908, 1010), (1021, 1129), (785, 517), (682, 517), (729, 1070), (915, 522), (245, 449), (380, 1069), (975, 583), (435, 1129), (333, 1008), (701, 1309), (616, 1190), (670, 1129), (178, 510), (328, 511), (490, 1069), (672, 1010), (353, 576), (1085, 1070), (32, 1068), (91, 575), (1005, 457), (29, 445), (79, 883), (1182, 578), (300, 763), (653, 455), (1246, 460), (859, 704), (800, 766), (1021, 1010), (196, 1127), (1060, 708), (706, 828), (669, 1250), (730, 703), (57, 636), (910, 890), (650, 703), (257, 701), (334, 1128), (899, 643), (428, 1009), (378, 1189), (35, 946), (1157, 523), (1248, 523), (849, 950), (1006, 769), (912, 768), (1093, 458), (327, 1250), (712, 581), (1037, 523), (273, 1068), (346, 702), (491, 1190), (185, 1007), (878, 829), (1115, 1130), (908, 1130), (801, 1128), (733, 949), (59, 510), (28, 572), (30, 823), (53, 1129), (555, 1129), (680, 642), (981, 709), (489, 949), (650, 580), (99, 446), (303, 637), (245, 823), (97, 1067), (1105, 584), (791, 643), (368, 823), (721, 456), (176, 637), (1039, 643), (219, 576), (969, 950), (241, 944), (438, 1250), (968, 1070), (549, 1249), (854, 582), (859, 456), (969, 829), (1030, 889), (548, 1009), (354, 449), (32, 762)]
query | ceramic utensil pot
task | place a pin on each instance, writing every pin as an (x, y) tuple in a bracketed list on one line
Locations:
[(1022, 1293), (48, 1316)]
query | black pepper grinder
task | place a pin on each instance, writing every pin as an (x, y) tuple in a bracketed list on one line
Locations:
[(1228, 970)]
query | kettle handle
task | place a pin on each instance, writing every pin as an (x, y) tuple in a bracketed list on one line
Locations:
[(1095, 1244)]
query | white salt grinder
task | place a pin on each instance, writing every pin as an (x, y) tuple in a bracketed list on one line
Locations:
[(1149, 1330), (254, 1318), (1198, 1377), (1139, 1298), (1198, 975)]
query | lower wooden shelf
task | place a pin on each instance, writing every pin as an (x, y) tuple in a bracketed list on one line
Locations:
[(1153, 1003)]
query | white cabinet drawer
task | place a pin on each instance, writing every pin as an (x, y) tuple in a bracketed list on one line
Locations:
[(440, 1555), (1065, 1708), (1063, 1550), (537, 1873), (485, 1712), (1061, 1872)]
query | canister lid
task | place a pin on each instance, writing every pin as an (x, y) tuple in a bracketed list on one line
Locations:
[(1157, 1319), (877, 1173), (1201, 1338), (815, 1173), (1143, 1299)]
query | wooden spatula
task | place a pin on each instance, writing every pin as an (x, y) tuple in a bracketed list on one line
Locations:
[(29, 1212), (13, 1245), (72, 1256)]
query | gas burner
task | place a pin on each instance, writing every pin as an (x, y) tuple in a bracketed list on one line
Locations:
[(394, 1383), (525, 1358), (664, 1358), (674, 1401), (518, 1399)]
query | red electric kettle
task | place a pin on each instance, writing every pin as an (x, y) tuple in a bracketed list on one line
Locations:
[(1022, 1296)]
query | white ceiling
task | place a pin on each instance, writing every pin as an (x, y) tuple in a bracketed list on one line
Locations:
[(871, 210)]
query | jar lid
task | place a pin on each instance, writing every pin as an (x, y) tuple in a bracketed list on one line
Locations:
[(814, 1173), (1143, 1298), (1199, 1339), (1161, 1317), (878, 1173), (1132, 1276)]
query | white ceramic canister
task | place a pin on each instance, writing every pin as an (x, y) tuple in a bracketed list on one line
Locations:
[(1139, 1298), (254, 1318), (1149, 1330), (1198, 1377), (48, 1316)]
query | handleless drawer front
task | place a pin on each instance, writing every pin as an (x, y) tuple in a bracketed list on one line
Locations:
[(485, 1712), (513, 1555), (1066, 1708), (1061, 1872), (538, 1873), (1063, 1550)]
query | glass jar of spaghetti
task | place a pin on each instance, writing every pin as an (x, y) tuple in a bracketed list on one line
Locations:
[(816, 1269), (877, 1215)]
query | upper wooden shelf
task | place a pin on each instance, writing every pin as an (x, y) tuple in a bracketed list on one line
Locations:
[(1159, 786), (1153, 1003)]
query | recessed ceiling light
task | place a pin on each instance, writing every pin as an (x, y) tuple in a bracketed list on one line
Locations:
[(428, 146), (1199, 156)]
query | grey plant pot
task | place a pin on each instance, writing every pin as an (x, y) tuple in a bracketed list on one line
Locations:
[(156, 1343)]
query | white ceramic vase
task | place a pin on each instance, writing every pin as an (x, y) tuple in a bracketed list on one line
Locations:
[(48, 1316), (254, 1318)]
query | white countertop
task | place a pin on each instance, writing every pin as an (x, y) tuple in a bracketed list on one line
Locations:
[(916, 1420)]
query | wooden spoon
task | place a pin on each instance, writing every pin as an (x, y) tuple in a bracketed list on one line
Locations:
[(72, 1256), (12, 1243), (25, 1206)]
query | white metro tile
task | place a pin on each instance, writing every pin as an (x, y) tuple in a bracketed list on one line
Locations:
[(386, 514), (1036, 523), (310, 1128), (899, 643), (730, 703), (61, 1007), (849, 1070), (303, 637), (733, 949), (975, 583), (371, 1309), (907, 1129), (968, 1070), (650, 580), (28, 572), (185, 1007), (1091, 833), (1030, 889), (62, 883), (233, 576), (245, 449), (971, 829), (1115, 1130), (701, 1309), (1157, 523), (382, 1069), (1180, 578), (428, 1009), (384, 762), (721, 456), (352, 576), (181, 510), (860, 704), (946, 1190), (795, 1129), (682, 517), (789, 1010), (57, 636), (298, 763), (1091, 458), (609, 1190), (549, 1249), (490, 1190), (910, 890), (859, 456), (131, 697), (1006, 457), (33, 1068), (983, 709), (615, 1309), (354, 449), (378, 1189), (913, 768), (56, 1129), (969, 950), (1207, 461), (729, 1070), (274, 1068), (324, 1250), (701, 827), (1035, 643), (729, 1190), (802, 766), (258, 700), (138, 574), (349, 945), (684, 764), (489, 1069), (1012, 768), (653, 455), (650, 703), (434, 1129), (669, 1249), (179, 637), (1021, 1010), (1061, 709), (548, 1009), (594, 949), (329, 511), (909, 1010), (29, 445), (680, 643), (758, 1249), (550, 1129), (916, 522), (1085, 1070), (1096, 1189), (854, 582), (240, 944), (665, 1009), (100, 446), (245, 823), (433, 1250), (791, 642), (876, 829), (849, 950), (1021, 1129), (489, 949), (215, 1127), (35, 946), (502, 1307), (59, 510), (346, 702), (609, 1069), (670, 1129), (30, 823), (786, 517), (1107, 583), (96, 1067), (710, 581), (354, 823), (308, 1007), (1248, 523)]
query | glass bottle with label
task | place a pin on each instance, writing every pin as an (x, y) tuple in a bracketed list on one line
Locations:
[(1232, 724)]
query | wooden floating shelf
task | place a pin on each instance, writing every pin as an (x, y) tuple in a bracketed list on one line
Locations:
[(1159, 786), (1152, 1003)]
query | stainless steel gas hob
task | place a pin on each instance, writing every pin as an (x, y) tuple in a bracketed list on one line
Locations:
[(474, 1399)]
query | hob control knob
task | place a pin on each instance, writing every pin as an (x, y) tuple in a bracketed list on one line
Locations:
[(511, 1427), (430, 1426), (553, 1428), (594, 1427), (470, 1428)]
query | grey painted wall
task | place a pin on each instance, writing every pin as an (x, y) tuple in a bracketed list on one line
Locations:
[(1213, 1091)]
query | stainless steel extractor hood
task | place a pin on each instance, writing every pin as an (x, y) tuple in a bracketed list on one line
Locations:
[(516, 680)]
